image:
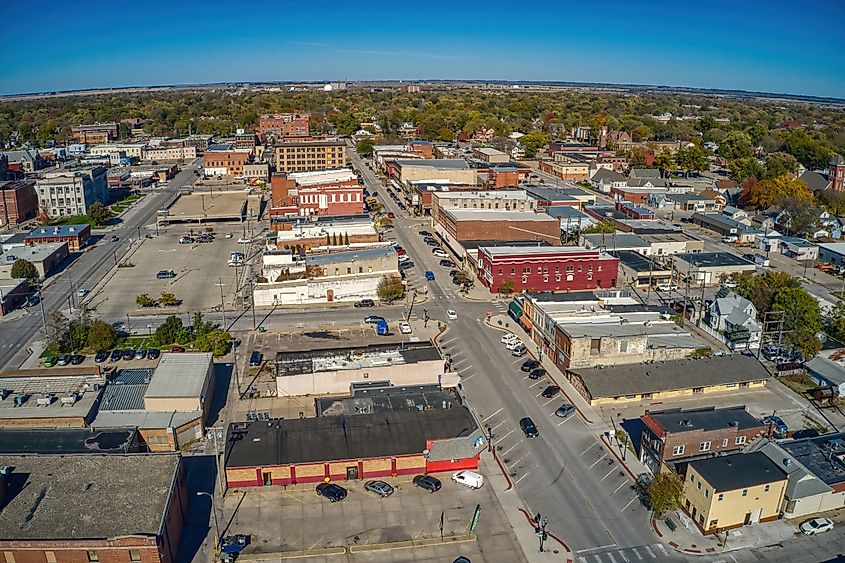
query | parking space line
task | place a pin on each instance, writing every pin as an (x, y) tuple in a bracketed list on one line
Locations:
[(629, 504), (508, 434), (565, 420), (663, 549), (625, 482), (465, 379), (612, 558), (501, 423), (313, 545), (535, 384), (517, 461), (525, 475), (510, 448), (622, 555), (549, 401), (492, 415), (637, 553), (598, 460), (588, 449), (650, 552), (518, 360), (608, 474)]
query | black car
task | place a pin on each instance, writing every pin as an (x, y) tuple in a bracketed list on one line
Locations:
[(128, 354), (551, 391), (374, 194), (77, 359), (406, 265), (427, 482), (529, 365), (425, 233), (331, 491), (153, 353), (255, 359), (447, 263), (365, 303), (116, 355), (453, 273), (528, 427), (432, 243), (102, 356), (537, 373)]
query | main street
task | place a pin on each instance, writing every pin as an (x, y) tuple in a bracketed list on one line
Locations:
[(86, 270)]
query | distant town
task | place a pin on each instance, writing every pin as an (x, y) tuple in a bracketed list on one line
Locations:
[(421, 321)]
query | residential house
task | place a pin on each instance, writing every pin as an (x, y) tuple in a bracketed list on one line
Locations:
[(603, 180), (737, 215), (735, 318), (814, 180)]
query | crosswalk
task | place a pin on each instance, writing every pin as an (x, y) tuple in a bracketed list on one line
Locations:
[(634, 554)]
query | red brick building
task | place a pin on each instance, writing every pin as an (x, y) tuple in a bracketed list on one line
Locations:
[(74, 235), (96, 133), (546, 268), (672, 435), (81, 508), (224, 161), (365, 446), (284, 125), (495, 224), (19, 202), (330, 192)]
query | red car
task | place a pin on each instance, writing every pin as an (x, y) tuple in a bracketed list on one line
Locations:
[(391, 215), (401, 251), (176, 349)]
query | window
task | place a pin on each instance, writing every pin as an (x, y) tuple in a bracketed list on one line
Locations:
[(713, 523), (51, 557), (678, 450), (743, 385), (539, 269), (720, 497), (569, 277), (557, 277), (745, 492), (134, 554), (704, 447), (766, 488), (526, 270), (546, 278), (570, 269), (501, 271), (725, 443), (697, 390), (741, 440), (706, 493), (92, 556)]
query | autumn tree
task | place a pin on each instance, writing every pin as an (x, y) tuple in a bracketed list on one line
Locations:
[(691, 159), (364, 147), (742, 168), (665, 492), (390, 288), (101, 335), (780, 164), (665, 162), (99, 213), (768, 192)]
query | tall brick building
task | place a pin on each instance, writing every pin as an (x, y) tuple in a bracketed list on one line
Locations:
[(284, 124), (304, 156), (495, 224), (330, 192), (95, 133), (18, 202)]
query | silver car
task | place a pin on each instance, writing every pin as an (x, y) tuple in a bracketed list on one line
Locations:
[(380, 488)]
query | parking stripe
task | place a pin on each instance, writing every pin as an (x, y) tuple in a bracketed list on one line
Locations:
[(620, 486), (492, 415), (650, 552), (598, 460), (663, 549), (608, 474), (612, 559), (622, 555), (637, 553)]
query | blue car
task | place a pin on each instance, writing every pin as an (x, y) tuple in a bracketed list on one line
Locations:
[(429, 275)]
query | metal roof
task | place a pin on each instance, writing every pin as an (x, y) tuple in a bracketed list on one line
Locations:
[(180, 375)]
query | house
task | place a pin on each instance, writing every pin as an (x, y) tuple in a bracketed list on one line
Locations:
[(732, 491), (827, 368), (644, 173), (603, 180), (832, 253), (737, 215), (571, 220), (814, 181), (676, 435), (735, 317)]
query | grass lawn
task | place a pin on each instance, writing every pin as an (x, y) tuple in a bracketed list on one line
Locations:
[(799, 384)]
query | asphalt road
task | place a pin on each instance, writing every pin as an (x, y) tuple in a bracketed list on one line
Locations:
[(87, 269)]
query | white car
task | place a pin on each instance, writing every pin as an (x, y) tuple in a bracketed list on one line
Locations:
[(440, 254), (471, 479), (405, 328), (244, 241), (404, 258), (229, 235), (816, 526), (511, 344), (509, 338), (82, 292), (729, 284), (667, 287), (452, 315)]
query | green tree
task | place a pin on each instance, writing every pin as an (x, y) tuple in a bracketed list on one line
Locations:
[(665, 492), (390, 288), (691, 159), (144, 300), (215, 341), (665, 162), (641, 133), (506, 287), (734, 145), (364, 147), (170, 331), (345, 124), (603, 227), (99, 213), (780, 164), (742, 168), (58, 331), (23, 268), (533, 142), (201, 327), (637, 158), (810, 151), (168, 299), (101, 335), (768, 192)]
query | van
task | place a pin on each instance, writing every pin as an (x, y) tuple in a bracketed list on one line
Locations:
[(471, 479), (761, 260)]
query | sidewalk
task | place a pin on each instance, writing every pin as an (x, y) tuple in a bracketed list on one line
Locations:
[(687, 539)]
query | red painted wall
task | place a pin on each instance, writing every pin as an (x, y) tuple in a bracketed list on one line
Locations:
[(546, 279)]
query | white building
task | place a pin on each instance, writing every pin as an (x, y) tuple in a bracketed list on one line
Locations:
[(71, 192)]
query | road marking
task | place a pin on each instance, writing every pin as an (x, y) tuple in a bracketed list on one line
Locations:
[(663, 549), (492, 415), (549, 401), (620, 486), (506, 435), (629, 504), (589, 505), (650, 552), (612, 559), (501, 423), (504, 453), (588, 449), (565, 420), (465, 379), (517, 461), (535, 385), (582, 559), (637, 553), (597, 558), (608, 474), (524, 476), (445, 342), (596, 548), (598, 460), (622, 555)]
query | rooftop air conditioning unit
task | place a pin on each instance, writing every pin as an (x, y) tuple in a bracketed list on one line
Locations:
[(4, 393), (69, 399), (20, 399), (44, 400)]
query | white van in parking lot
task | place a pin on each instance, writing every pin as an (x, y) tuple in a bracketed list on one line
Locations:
[(471, 479)]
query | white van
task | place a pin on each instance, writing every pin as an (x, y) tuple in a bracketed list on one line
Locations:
[(471, 479)]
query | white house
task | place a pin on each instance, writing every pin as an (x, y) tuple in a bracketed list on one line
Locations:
[(603, 180), (736, 318)]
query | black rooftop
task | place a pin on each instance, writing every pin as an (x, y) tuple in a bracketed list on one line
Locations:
[(68, 441), (676, 421), (738, 471), (712, 259), (636, 261), (378, 397), (820, 455)]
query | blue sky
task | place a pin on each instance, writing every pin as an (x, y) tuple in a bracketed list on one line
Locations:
[(773, 46)]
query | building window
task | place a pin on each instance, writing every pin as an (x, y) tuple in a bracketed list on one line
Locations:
[(740, 440), (524, 279), (720, 497), (570, 269), (546, 278), (699, 485), (539, 269), (623, 347), (569, 277), (725, 443), (766, 488), (706, 493), (697, 390), (713, 523), (589, 275), (745, 492), (557, 277), (92, 556), (134, 554), (501, 271), (51, 557), (678, 450), (526, 270), (704, 447)]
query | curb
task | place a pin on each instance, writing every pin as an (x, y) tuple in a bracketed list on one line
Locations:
[(618, 458), (504, 471), (570, 554)]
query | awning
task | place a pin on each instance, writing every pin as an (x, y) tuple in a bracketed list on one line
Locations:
[(515, 310), (526, 323)]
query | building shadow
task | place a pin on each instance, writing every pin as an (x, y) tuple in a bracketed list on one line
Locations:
[(200, 473), (634, 428), (222, 380)]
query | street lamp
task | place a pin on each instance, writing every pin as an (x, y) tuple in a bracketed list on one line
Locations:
[(150, 329), (216, 523)]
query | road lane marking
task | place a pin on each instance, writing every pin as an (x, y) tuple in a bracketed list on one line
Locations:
[(524, 476), (629, 504), (608, 474), (504, 453), (590, 506), (625, 482), (650, 552), (637, 553), (492, 415), (622, 555), (588, 449), (596, 548), (597, 558), (663, 549), (598, 460)]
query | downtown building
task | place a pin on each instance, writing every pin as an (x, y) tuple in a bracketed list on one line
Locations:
[(64, 193)]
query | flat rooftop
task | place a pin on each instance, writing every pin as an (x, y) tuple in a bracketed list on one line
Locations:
[(473, 244), (354, 358), (637, 262), (37, 253), (318, 177), (201, 205), (58, 231), (539, 250), (180, 375), (110, 496), (68, 441), (351, 255), (373, 398), (283, 442), (314, 143), (738, 471), (823, 456), (519, 195), (497, 215), (635, 379), (713, 259), (82, 390), (441, 163), (708, 419), (617, 240)]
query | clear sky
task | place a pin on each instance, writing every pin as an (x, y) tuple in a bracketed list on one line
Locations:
[(773, 46)]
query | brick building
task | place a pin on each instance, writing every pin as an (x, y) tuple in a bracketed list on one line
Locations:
[(245, 141), (95, 133), (284, 124), (74, 235), (19, 203), (225, 160), (71, 192), (88, 507), (364, 446), (550, 268), (675, 434), (496, 224), (330, 192), (304, 156)]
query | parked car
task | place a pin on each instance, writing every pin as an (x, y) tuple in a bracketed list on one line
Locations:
[(380, 488), (564, 410), (186, 240), (528, 427), (140, 353), (116, 355), (536, 373), (440, 253), (255, 358), (529, 365), (77, 359), (365, 303), (508, 338), (82, 292), (519, 351), (429, 275), (331, 491), (391, 214), (447, 264), (405, 328), (165, 274), (373, 319), (431, 242), (404, 258), (400, 251), (729, 284), (128, 354), (406, 265), (471, 479), (50, 361), (101, 356), (114, 238), (176, 349), (816, 526), (777, 423), (229, 235), (451, 314), (427, 482), (153, 353), (425, 233), (64, 360), (515, 343), (551, 391)]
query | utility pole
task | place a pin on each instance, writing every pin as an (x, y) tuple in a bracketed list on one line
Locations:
[(43, 317), (222, 301)]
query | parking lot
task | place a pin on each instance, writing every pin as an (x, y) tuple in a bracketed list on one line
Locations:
[(363, 527), (199, 267)]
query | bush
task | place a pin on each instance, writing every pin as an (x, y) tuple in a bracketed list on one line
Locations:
[(144, 300), (24, 269), (390, 288), (101, 335)]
